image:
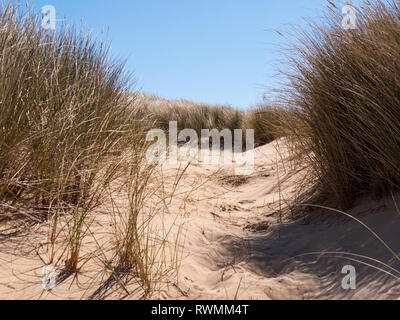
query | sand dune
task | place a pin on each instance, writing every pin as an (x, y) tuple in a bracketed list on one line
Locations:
[(236, 245)]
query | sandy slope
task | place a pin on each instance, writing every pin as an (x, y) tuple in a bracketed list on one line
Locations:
[(225, 260), (236, 244)]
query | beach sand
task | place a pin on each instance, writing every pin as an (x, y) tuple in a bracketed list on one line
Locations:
[(235, 243)]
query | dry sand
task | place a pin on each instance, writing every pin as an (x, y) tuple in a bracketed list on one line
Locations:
[(236, 244)]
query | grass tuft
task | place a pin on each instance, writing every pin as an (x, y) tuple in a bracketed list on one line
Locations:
[(345, 94)]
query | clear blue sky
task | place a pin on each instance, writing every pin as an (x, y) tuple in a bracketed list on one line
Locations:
[(215, 51)]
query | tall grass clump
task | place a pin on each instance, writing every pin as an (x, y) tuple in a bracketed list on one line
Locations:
[(64, 118), (190, 115), (267, 122), (147, 236), (62, 111), (345, 89)]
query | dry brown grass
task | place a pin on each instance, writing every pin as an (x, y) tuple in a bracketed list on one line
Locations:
[(189, 114), (345, 94), (267, 122)]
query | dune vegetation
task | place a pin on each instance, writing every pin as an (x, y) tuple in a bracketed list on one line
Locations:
[(73, 129), (343, 89)]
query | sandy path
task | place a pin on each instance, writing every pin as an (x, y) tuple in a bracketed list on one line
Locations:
[(225, 260)]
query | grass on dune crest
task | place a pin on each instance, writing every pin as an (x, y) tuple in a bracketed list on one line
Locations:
[(265, 119), (267, 122), (189, 114), (63, 112), (345, 93)]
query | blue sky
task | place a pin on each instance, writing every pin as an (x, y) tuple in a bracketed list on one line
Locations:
[(214, 51)]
